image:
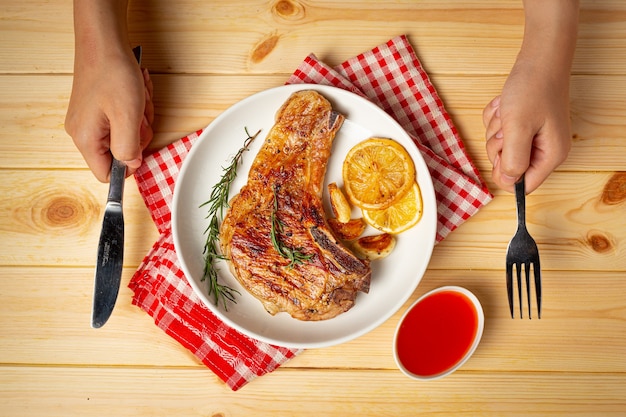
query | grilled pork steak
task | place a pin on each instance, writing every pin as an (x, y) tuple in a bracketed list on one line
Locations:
[(275, 233)]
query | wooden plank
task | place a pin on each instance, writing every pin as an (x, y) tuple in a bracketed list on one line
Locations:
[(582, 325), (54, 218), (573, 221), (85, 392), (34, 107), (48, 321), (206, 57), (32, 116), (225, 38)]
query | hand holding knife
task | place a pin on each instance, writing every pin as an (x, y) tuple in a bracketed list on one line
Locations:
[(111, 245)]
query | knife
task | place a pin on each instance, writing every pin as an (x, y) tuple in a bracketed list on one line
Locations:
[(111, 245)]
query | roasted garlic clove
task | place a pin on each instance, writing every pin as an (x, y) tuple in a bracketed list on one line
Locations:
[(349, 230), (339, 203), (375, 247)]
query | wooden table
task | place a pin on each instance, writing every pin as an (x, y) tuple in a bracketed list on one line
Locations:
[(204, 57)]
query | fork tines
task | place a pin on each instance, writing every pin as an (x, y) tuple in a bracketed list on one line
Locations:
[(537, 284)]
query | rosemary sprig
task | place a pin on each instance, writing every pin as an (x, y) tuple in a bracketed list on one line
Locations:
[(295, 255), (218, 200)]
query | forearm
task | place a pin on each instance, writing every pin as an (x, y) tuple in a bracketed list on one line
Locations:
[(99, 29), (550, 34)]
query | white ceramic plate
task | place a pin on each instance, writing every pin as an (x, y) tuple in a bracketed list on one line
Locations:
[(393, 279)]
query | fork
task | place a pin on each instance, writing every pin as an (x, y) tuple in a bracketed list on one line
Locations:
[(522, 251)]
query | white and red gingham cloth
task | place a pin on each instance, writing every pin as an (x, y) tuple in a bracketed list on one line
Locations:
[(391, 76)]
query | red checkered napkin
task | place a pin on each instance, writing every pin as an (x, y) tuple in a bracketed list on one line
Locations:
[(160, 288), (391, 76)]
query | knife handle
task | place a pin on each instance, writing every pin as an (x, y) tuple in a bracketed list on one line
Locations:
[(116, 181)]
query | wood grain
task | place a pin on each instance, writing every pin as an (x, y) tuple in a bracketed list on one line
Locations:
[(63, 391), (206, 56), (574, 227), (585, 328), (184, 36), (35, 106)]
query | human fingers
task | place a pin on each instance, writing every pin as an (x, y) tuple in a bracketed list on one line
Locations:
[(490, 111), (493, 146), (493, 129), (96, 154), (90, 134), (494, 135), (149, 92), (535, 176), (517, 145), (126, 125), (125, 111), (545, 157), (496, 174), (148, 82), (550, 149), (146, 132)]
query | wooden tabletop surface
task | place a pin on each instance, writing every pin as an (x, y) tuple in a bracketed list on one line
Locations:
[(206, 56)]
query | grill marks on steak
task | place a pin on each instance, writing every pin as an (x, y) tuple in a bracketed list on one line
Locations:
[(290, 167)]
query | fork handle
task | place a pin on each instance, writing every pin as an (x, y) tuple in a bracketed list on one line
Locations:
[(520, 198)]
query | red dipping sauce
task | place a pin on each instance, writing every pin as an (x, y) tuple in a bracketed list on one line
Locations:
[(439, 332)]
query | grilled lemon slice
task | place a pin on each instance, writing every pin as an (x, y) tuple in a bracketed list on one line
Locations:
[(376, 173), (400, 216)]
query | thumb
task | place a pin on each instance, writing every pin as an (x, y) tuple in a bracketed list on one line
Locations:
[(516, 150), (125, 142)]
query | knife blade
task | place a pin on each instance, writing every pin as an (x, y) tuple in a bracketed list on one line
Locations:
[(111, 245)]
